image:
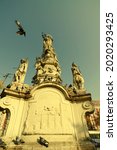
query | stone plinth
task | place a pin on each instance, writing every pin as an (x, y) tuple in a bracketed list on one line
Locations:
[(51, 113)]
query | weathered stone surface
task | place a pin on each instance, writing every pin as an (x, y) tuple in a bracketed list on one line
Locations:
[(52, 146), (86, 145)]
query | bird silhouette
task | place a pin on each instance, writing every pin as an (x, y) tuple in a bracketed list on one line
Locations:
[(21, 31)]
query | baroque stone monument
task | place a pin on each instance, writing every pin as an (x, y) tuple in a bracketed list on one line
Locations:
[(47, 114)]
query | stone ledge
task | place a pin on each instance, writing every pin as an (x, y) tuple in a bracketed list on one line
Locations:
[(85, 145), (52, 146)]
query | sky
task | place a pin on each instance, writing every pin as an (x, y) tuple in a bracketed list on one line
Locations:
[(74, 26)]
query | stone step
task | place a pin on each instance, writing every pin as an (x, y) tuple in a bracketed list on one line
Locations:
[(52, 146)]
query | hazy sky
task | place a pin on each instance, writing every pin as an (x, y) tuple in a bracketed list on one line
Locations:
[(74, 25)]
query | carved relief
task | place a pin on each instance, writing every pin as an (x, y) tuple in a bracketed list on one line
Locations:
[(45, 119), (48, 115)]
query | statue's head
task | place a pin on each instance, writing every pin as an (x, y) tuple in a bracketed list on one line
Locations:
[(47, 36), (23, 60), (74, 65)]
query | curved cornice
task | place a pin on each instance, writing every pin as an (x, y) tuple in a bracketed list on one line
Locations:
[(77, 98), (52, 85)]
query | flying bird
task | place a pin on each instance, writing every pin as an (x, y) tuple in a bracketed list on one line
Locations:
[(21, 31)]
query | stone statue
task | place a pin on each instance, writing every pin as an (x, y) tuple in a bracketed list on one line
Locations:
[(38, 66), (78, 80), (21, 71), (47, 41), (50, 57)]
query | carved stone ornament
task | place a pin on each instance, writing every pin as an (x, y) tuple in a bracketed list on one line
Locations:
[(20, 73), (47, 66), (78, 80), (7, 102), (88, 106)]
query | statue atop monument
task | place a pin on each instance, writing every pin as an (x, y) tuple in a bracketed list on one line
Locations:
[(19, 77), (20, 73), (78, 80), (77, 88), (47, 41)]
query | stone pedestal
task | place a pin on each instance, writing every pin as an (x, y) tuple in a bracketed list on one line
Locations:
[(48, 111)]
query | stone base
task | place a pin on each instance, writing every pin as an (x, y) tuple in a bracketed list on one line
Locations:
[(53, 146), (50, 138), (86, 145)]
